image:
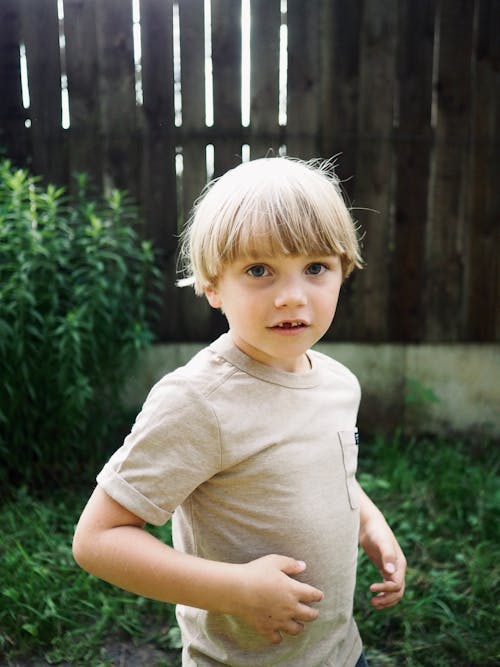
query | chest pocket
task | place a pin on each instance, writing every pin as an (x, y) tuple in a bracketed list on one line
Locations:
[(349, 443)]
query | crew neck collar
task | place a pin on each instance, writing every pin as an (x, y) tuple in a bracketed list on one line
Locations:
[(225, 347)]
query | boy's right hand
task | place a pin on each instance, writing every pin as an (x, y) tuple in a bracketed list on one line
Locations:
[(274, 603), (110, 542)]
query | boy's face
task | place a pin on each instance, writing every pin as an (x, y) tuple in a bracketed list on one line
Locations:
[(278, 307)]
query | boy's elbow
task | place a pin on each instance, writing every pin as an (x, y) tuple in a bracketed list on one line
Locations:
[(78, 549), (81, 551), (87, 534)]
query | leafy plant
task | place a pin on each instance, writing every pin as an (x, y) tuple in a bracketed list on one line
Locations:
[(74, 285), (420, 395)]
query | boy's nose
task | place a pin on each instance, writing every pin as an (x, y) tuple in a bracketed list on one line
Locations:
[(291, 293)]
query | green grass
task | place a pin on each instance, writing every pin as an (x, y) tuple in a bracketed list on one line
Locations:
[(442, 499), (51, 609)]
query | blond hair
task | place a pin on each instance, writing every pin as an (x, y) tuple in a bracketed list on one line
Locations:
[(268, 206)]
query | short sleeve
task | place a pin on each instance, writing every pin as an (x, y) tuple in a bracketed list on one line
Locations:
[(173, 447)]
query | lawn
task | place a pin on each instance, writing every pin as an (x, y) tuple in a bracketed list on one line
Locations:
[(441, 497)]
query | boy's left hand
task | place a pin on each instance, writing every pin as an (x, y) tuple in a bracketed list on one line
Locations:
[(382, 548)]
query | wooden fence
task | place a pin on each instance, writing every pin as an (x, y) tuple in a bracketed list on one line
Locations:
[(406, 92)]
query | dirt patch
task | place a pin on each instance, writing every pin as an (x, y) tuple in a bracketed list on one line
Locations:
[(121, 653), (125, 654)]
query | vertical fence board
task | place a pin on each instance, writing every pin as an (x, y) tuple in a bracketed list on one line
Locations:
[(483, 290), (159, 198), (158, 163), (193, 101), (265, 53), (226, 57), (340, 45), (446, 229), (415, 67), (303, 78), (13, 136), (374, 178), (194, 313), (116, 85), (81, 67), (340, 35), (40, 31)]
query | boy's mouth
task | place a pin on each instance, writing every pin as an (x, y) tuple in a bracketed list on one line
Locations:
[(289, 325)]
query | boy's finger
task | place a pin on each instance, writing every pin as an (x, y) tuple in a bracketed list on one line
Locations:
[(306, 614), (388, 592), (289, 565), (386, 586), (275, 637), (293, 628), (309, 593), (385, 600)]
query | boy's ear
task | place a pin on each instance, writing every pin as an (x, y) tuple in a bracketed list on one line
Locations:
[(213, 297)]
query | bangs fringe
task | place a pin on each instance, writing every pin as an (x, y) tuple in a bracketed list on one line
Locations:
[(273, 232), (268, 207)]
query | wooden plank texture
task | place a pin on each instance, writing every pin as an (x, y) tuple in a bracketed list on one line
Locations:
[(159, 195), (340, 29), (375, 165), (194, 314), (340, 45), (40, 32), (226, 58), (82, 71), (303, 78), (13, 135), (483, 288), (413, 154), (264, 52), (116, 85), (446, 230), (192, 36)]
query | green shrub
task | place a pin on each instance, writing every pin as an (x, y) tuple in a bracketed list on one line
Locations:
[(74, 279)]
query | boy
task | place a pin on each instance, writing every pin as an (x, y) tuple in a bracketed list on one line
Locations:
[(253, 443)]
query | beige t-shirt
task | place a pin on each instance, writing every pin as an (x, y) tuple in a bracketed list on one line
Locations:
[(252, 460)]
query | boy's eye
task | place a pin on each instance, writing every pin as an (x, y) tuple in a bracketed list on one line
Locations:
[(315, 269), (257, 271)]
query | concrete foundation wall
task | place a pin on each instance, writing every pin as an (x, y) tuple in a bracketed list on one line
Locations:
[(446, 389)]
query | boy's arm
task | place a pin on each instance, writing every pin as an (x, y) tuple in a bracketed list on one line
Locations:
[(111, 543), (382, 548)]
